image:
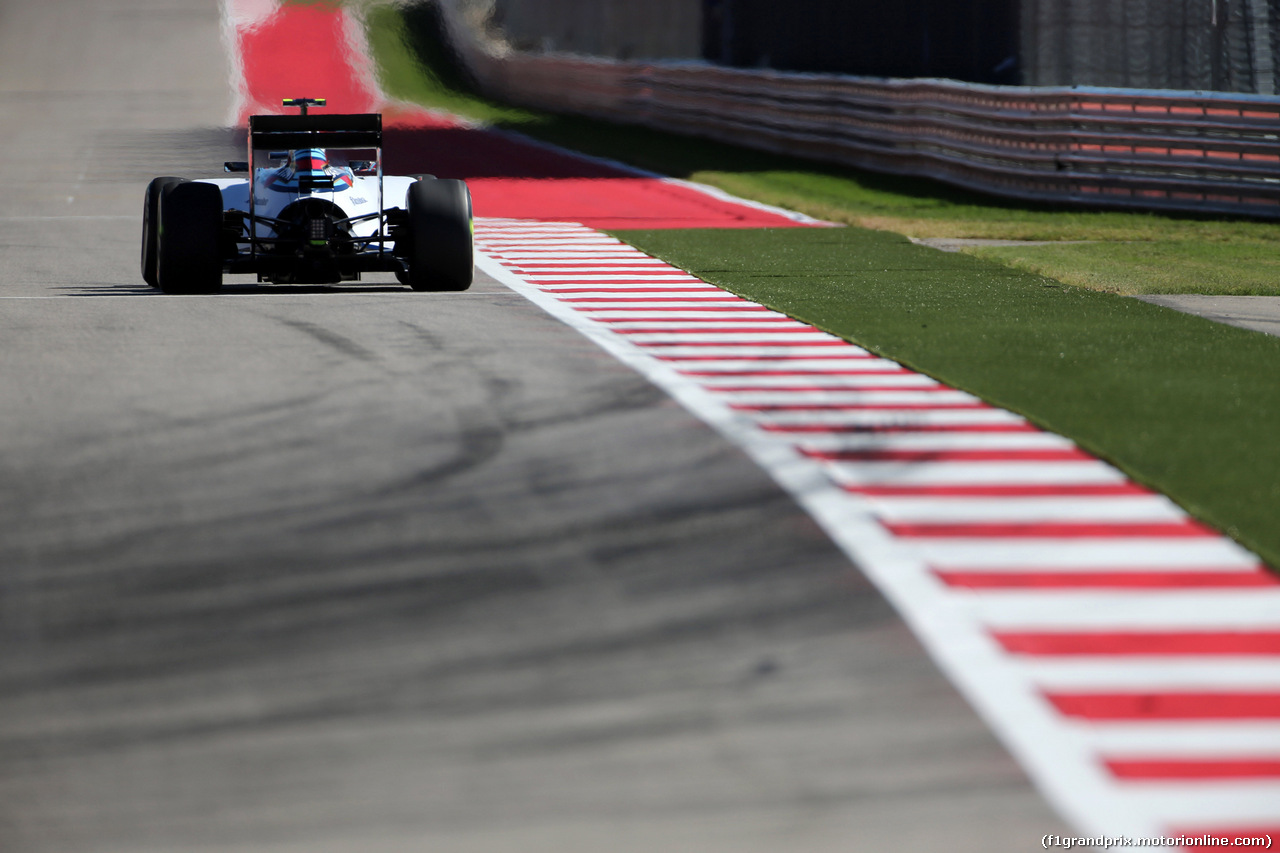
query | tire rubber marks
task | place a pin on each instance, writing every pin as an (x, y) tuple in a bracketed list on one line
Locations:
[(1129, 656)]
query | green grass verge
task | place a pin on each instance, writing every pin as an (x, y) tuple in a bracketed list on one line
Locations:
[(418, 69), (1239, 267), (1179, 403), (1182, 404)]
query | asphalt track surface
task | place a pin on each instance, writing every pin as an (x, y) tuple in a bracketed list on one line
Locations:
[(335, 569)]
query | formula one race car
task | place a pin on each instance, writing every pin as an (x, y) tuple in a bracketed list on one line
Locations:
[(315, 215)]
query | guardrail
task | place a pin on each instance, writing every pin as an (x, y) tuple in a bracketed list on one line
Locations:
[(1188, 151)]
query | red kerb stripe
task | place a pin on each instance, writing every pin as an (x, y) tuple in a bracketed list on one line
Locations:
[(813, 389), (1202, 705), (597, 290), (894, 429), (1052, 530), (609, 285), (641, 309), (1056, 643), (738, 374), (726, 329), (1194, 768), (1066, 454), (819, 341), (584, 266), (690, 301), (857, 407), (1107, 580), (778, 352), (1005, 491)]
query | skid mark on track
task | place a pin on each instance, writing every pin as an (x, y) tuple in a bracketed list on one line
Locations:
[(1117, 646), (332, 339)]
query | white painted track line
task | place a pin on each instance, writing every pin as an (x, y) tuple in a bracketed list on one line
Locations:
[(1025, 509)]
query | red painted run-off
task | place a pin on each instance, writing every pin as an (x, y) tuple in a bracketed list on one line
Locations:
[(306, 51), (300, 51)]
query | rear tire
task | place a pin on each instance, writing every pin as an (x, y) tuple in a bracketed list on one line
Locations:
[(151, 227), (188, 255), (440, 256)]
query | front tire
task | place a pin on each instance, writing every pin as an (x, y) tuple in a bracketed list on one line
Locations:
[(188, 254), (441, 253), (151, 227)]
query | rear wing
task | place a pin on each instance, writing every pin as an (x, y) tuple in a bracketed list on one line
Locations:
[(292, 132), (359, 130)]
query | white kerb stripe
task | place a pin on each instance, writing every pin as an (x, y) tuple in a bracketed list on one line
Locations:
[(1026, 509)]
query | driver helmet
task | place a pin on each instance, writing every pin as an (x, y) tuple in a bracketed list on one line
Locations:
[(316, 162), (308, 160)]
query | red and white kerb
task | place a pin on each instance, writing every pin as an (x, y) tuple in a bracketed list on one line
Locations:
[(1128, 655)]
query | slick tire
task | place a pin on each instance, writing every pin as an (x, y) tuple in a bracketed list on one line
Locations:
[(151, 228), (188, 252), (441, 252)]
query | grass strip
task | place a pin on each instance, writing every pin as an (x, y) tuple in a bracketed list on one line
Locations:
[(1182, 404), (1237, 268)]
